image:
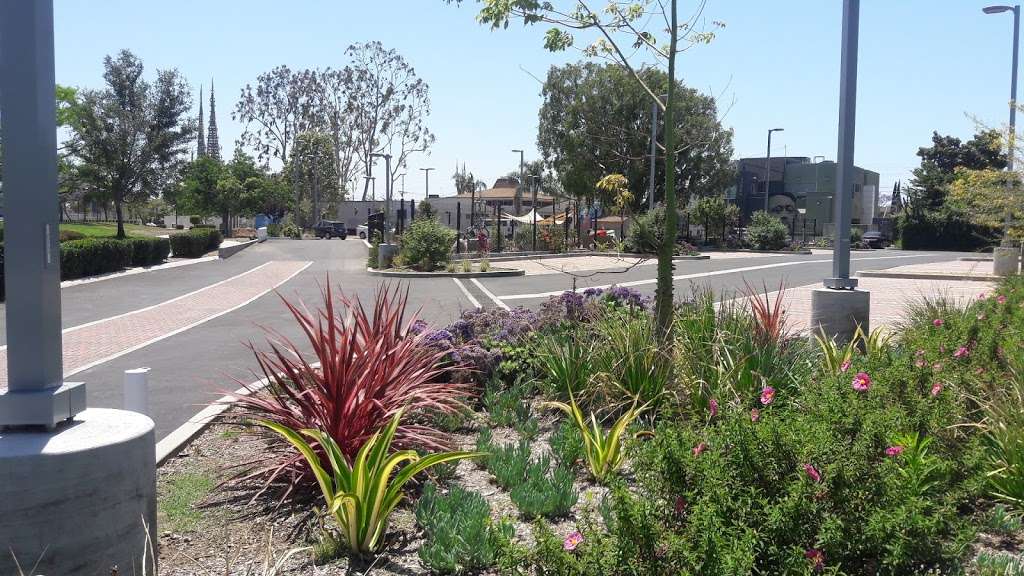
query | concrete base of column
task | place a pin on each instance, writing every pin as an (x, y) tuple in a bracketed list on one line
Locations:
[(837, 313), (1006, 261), (386, 255), (75, 499)]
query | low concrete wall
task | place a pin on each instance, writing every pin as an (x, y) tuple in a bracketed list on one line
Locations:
[(229, 251)]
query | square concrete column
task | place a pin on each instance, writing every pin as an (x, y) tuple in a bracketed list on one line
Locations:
[(36, 392)]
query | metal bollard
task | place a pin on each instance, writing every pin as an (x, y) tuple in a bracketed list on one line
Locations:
[(136, 390)]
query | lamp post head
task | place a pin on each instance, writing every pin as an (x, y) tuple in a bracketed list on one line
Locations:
[(776, 130), (996, 9)]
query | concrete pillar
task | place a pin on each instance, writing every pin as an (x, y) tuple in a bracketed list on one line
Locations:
[(1006, 261), (837, 313), (76, 500)]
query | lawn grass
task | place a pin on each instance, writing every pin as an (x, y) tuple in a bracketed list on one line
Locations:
[(178, 505), (109, 230)]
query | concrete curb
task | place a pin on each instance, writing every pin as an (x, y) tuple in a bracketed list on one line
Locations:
[(549, 256), (405, 274), (977, 259), (928, 276), (750, 251), (229, 251)]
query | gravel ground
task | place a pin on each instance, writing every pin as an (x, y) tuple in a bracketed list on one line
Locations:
[(226, 532)]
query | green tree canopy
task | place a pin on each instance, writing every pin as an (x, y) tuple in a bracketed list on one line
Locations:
[(596, 120), (947, 153)]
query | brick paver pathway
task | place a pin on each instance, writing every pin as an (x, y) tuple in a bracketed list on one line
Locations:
[(889, 298), (96, 342), (960, 267)]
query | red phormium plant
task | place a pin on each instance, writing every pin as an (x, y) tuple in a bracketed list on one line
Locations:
[(769, 317), (370, 366)]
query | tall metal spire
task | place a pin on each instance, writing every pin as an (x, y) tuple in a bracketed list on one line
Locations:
[(201, 141), (212, 143)]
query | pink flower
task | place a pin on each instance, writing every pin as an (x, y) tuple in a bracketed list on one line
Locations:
[(893, 451), (936, 388), (767, 395), (755, 415), (573, 540), (938, 322), (680, 505), (699, 449), (713, 407), (1001, 299), (861, 382), (845, 366), (961, 352), (937, 367), (812, 472), (817, 558), (919, 352), (919, 362), (982, 296)]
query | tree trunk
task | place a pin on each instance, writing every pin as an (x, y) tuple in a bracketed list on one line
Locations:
[(664, 301), (225, 224), (119, 213)]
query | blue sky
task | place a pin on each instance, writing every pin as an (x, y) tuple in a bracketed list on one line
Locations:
[(924, 65)]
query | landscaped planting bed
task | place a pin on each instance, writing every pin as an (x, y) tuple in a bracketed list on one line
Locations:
[(569, 441)]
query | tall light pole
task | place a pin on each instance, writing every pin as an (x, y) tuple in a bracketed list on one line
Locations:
[(1013, 99), (387, 194), (838, 309), (402, 191), (517, 203), (426, 174), (768, 167)]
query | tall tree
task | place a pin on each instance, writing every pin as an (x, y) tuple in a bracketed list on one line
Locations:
[(330, 112), (273, 113), (389, 104), (312, 166), (596, 120), (939, 162), (127, 135), (621, 27)]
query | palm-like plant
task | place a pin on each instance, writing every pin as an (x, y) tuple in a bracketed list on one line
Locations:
[(602, 449), (361, 494), (369, 366)]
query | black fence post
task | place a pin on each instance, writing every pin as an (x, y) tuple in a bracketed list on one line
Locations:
[(804, 234), (412, 209), (706, 225), (458, 227)]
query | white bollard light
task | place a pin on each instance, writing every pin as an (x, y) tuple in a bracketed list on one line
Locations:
[(136, 390)]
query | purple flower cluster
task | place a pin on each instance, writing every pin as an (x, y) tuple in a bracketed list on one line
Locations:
[(495, 324)]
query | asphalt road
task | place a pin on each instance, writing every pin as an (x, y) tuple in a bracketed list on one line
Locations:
[(194, 367)]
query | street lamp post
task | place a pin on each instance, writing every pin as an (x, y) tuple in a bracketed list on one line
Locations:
[(387, 194), (517, 203), (402, 191), (426, 174), (768, 167), (1012, 136), (839, 309)]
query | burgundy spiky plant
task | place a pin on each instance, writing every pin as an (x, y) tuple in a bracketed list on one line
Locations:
[(367, 367), (769, 317)]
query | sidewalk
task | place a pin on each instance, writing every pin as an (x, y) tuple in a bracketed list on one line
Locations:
[(889, 297), (93, 343), (976, 270)]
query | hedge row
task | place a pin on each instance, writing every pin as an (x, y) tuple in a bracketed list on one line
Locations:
[(945, 231), (149, 251), (194, 243)]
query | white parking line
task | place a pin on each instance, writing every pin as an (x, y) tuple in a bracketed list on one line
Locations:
[(491, 295), (692, 276), (472, 300)]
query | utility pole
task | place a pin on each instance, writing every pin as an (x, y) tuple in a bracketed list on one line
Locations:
[(517, 204), (426, 174)]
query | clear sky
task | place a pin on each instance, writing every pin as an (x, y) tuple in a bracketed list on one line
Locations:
[(924, 65)]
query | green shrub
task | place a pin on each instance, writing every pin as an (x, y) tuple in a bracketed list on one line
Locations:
[(427, 244), (646, 231), (467, 265), (507, 463), (194, 220), (66, 235), (92, 256), (507, 407), (567, 365), (566, 444), (291, 230), (944, 229), (459, 534), (484, 265), (194, 243), (856, 235), (547, 493), (149, 251), (372, 258), (523, 238), (629, 360), (766, 232), (274, 230)]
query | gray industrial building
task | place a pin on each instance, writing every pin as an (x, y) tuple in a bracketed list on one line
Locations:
[(800, 189)]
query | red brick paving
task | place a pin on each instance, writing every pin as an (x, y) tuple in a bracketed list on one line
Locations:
[(89, 344)]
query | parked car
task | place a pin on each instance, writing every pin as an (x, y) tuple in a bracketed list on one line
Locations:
[(329, 229), (874, 239), (363, 231)]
